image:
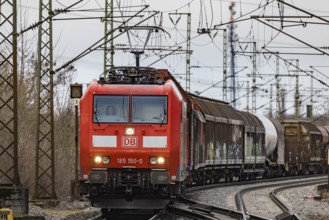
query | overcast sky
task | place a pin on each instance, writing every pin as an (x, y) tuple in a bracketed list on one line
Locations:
[(74, 36)]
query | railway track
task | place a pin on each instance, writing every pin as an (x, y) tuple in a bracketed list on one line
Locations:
[(285, 213), (185, 207)]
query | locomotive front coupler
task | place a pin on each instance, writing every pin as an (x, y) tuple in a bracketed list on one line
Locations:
[(129, 193)]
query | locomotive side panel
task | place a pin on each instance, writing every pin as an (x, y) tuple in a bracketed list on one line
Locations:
[(179, 132), (85, 115)]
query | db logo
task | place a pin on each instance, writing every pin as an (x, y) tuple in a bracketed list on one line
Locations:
[(129, 141)]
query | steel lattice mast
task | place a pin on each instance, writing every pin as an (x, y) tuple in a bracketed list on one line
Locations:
[(188, 53), (8, 94), (108, 25), (225, 65), (253, 101), (232, 41), (297, 91), (45, 169), (277, 83)]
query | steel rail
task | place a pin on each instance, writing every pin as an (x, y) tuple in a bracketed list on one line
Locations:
[(239, 196)]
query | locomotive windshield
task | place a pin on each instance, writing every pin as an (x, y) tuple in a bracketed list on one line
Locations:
[(144, 109), (111, 109), (149, 109)]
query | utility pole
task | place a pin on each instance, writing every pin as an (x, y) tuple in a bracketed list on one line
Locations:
[(224, 92), (232, 47), (277, 82), (45, 155), (253, 110), (188, 49), (297, 91), (253, 76), (248, 96), (312, 94), (8, 108), (283, 101), (271, 105), (224, 65), (309, 108), (188, 53), (108, 25)]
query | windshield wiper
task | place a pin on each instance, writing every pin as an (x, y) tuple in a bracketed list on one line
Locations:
[(164, 116), (95, 112)]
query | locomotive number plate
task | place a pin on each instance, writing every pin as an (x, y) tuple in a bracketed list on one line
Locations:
[(129, 160), (129, 141)]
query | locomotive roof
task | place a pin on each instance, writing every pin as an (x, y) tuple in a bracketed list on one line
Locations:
[(133, 75)]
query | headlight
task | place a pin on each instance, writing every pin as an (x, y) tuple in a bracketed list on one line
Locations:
[(157, 160), (104, 160), (98, 159), (153, 160), (130, 131), (161, 160)]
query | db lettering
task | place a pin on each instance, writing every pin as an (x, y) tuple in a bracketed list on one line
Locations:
[(129, 141)]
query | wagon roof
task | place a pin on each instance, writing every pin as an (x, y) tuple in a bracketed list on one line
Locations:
[(216, 108), (311, 128)]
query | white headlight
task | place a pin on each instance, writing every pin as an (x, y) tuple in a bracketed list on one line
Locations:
[(161, 160), (130, 131), (98, 159)]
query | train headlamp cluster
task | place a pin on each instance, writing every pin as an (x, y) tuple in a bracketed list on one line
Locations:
[(103, 160), (157, 160)]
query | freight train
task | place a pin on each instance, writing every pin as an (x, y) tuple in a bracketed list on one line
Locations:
[(144, 140)]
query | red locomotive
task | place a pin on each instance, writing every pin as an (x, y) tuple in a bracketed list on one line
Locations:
[(133, 139)]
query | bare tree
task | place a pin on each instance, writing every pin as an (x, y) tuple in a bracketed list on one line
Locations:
[(64, 117)]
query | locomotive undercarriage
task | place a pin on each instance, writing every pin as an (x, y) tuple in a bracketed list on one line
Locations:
[(128, 188)]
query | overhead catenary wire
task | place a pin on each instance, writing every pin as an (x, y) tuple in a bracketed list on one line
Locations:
[(97, 44), (290, 63), (51, 15)]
